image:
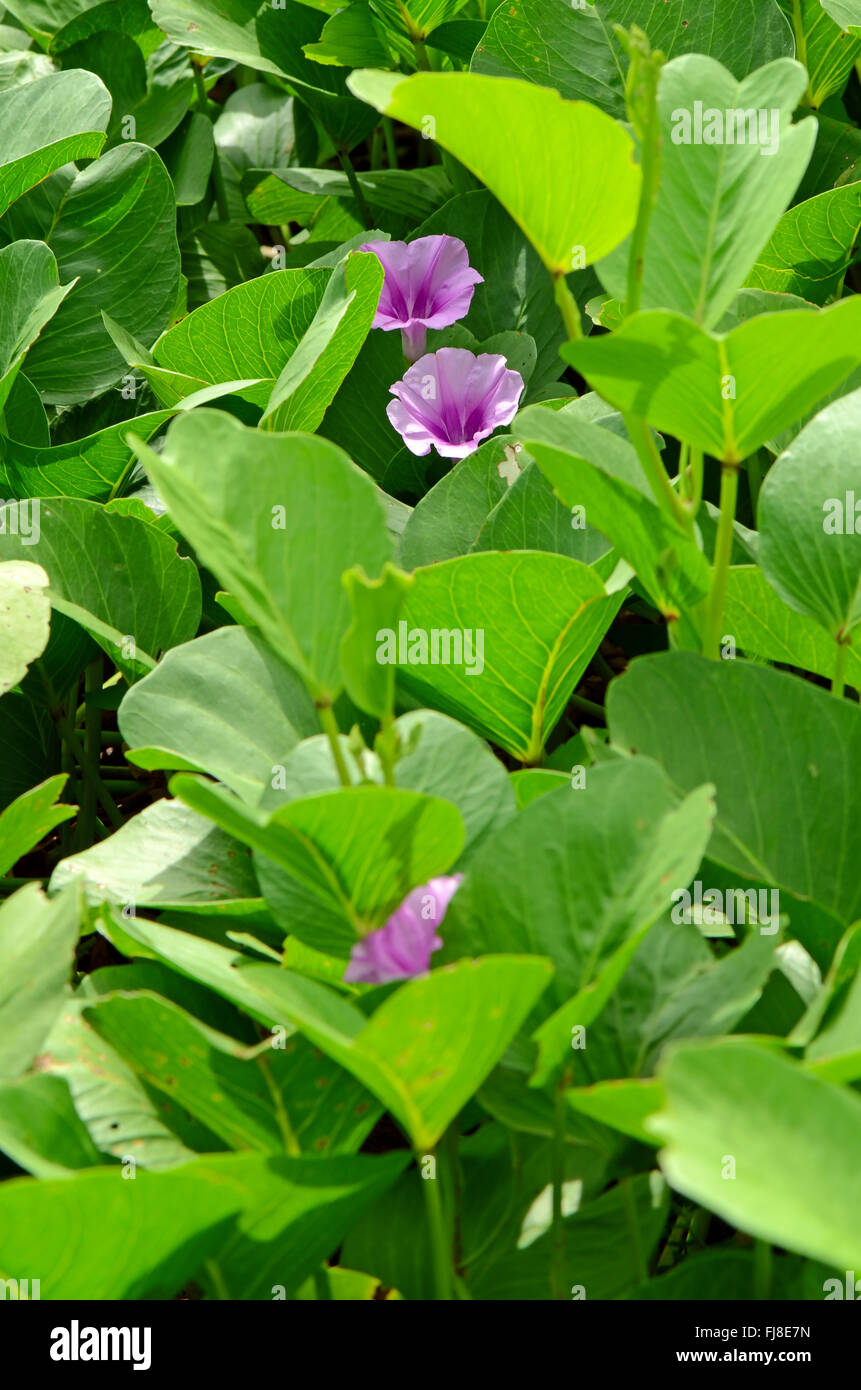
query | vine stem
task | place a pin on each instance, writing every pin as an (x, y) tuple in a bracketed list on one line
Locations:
[(659, 480), (567, 307), (353, 180), (439, 1244), (332, 732), (219, 187), (723, 553), (391, 147)]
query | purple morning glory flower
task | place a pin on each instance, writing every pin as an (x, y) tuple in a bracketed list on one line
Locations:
[(452, 400), (428, 283), (403, 947)]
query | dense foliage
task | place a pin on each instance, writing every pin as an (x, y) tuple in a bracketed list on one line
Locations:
[(430, 597)]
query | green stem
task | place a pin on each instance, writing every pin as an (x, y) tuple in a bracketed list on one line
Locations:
[(754, 482), (587, 707), (352, 179), (332, 732), (439, 1242), (838, 683), (377, 148), (567, 307), (422, 59), (219, 187), (557, 1259), (653, 467), (391, 146), (650, 154), (696, 480), (723, 554)]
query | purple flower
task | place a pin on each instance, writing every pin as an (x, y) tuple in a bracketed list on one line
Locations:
[(452, 399), (428, 283), (404, 945)]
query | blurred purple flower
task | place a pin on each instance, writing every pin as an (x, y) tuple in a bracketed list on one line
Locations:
[(428, 283), (452, 400), (403, 947)]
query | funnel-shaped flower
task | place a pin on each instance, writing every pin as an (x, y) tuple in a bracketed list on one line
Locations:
[(429, 283), (403, 947), (452, 400)]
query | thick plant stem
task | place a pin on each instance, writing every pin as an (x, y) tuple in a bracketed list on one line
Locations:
[(331, 730), (93, 745), (391, 147), (439, 1243), (723, 554), (353, 180), (838, 682), (557, 1264), (567, 307), (219, 187), (659, 480)]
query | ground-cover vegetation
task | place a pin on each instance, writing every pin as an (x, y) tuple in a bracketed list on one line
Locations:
[(430, 597)]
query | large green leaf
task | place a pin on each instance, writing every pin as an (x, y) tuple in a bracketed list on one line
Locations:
[(517, 138), (717, 202), (827, 53), (742, 726), (37, 944), (710, 389), (119, 573), (300, 494), (162, 857), (91, 468), (40, 1129), (763, 625), (341, 862), (113, 228), (812, 247), (731, 1100), (25, 618), (430, 1045), (591, 468), (270, 39), (253, 131), (267, 1222), (810, 545), (222, 704), (311, 377), (30, 295), (46, 124), (534, 621), (29, 819)]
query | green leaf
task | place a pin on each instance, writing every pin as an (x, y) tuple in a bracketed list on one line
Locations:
[(91, 468), (376, 604), (732, 1099), (718, 202), (40, 1129), (30, 293), (270, 40), (516, 672), (25, 618), (119, 572), (623, 1105), (311, 377), (37, 946), (516, 138), (352, 38), (828, 54), (267, 1221), (430, 1045), (264, 553), (165, 856), (46, 124), (741, 36), (327, 882), (125, 199), (188, 155), (222, 704), (846, 13), (705, 720), (29, 819), (763, 625), (709, 389), (254, 131), (809, 545), (812, 247), (590, 468)]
